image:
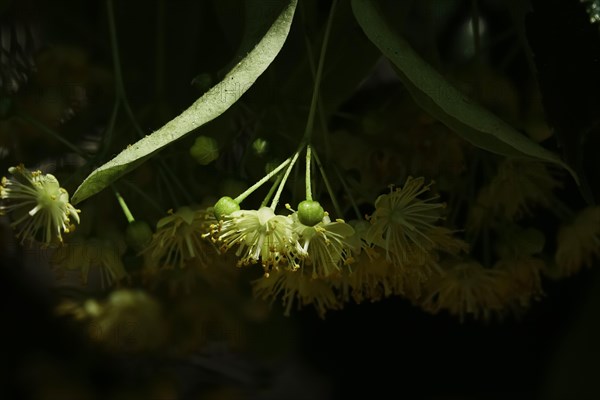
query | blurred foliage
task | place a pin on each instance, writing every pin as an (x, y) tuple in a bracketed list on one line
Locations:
[(76, 90)]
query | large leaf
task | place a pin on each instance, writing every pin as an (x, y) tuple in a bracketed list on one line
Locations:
[(212, 104), (441, 99)]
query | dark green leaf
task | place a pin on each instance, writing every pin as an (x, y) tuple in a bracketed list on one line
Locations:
[(441, 99), (212, 104)]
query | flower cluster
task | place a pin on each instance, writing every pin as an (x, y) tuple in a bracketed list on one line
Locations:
[(310, 259), (579, 242), (519, 185), (261, 236), (283, 242), (180, 254), (178, 239), (467, 288), (39, 207), (87, 255), (404, 227)]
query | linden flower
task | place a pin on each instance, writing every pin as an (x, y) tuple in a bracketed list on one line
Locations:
[(326, 246), (95, 253), (368, 279), (579, 242), (523, 281), (402, 223), (179, 237), (128, 320), (261, 236), (518, 185), (466, 288), (39, 206), (297, 287)]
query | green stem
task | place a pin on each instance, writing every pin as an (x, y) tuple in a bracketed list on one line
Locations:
[(320, 109), (476, 30), (122, 97), (283, 181), (258, 184), (160, 50), (271, 191), (323, 123), (336, 205), (123, 205), (147, 198), (347, 190), (110, 128), (176, 181), (319, 74), (164, 177), (308, 177), (114, 47), (476, 41), (55, 135)]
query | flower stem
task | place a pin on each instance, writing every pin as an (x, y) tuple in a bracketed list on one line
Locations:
[(347, 190), (258, 184), (271, 191), (112, 28), (313, 103), (146, 197), (121, 98), (283, 181), (308, 177), (55, 135), (170, 190), (336, 205), (123, 205)]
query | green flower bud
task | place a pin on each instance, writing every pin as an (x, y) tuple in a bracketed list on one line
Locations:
[(225, 206), (260, 146), (205, 150), (310, 212), (138, 234)]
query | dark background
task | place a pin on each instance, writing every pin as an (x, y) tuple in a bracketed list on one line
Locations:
[(389, 349)]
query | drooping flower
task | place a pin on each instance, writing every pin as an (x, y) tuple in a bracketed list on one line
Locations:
[(579, 242), (39, 207), (522, 283), (466, 288), (128, 320), (374, 276), (260, 236), (179, 237), (297, 287), (403, 226), (102, 254), (519, 185), (368, 278), (326, 247)]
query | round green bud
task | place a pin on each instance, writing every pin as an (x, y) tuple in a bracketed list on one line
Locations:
[(138, 234), (260, 146), (225, 206), (310, 212), (205, 150)]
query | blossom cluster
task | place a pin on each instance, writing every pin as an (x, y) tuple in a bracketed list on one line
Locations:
[(402, 248), (39, 206), (394, 251)]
